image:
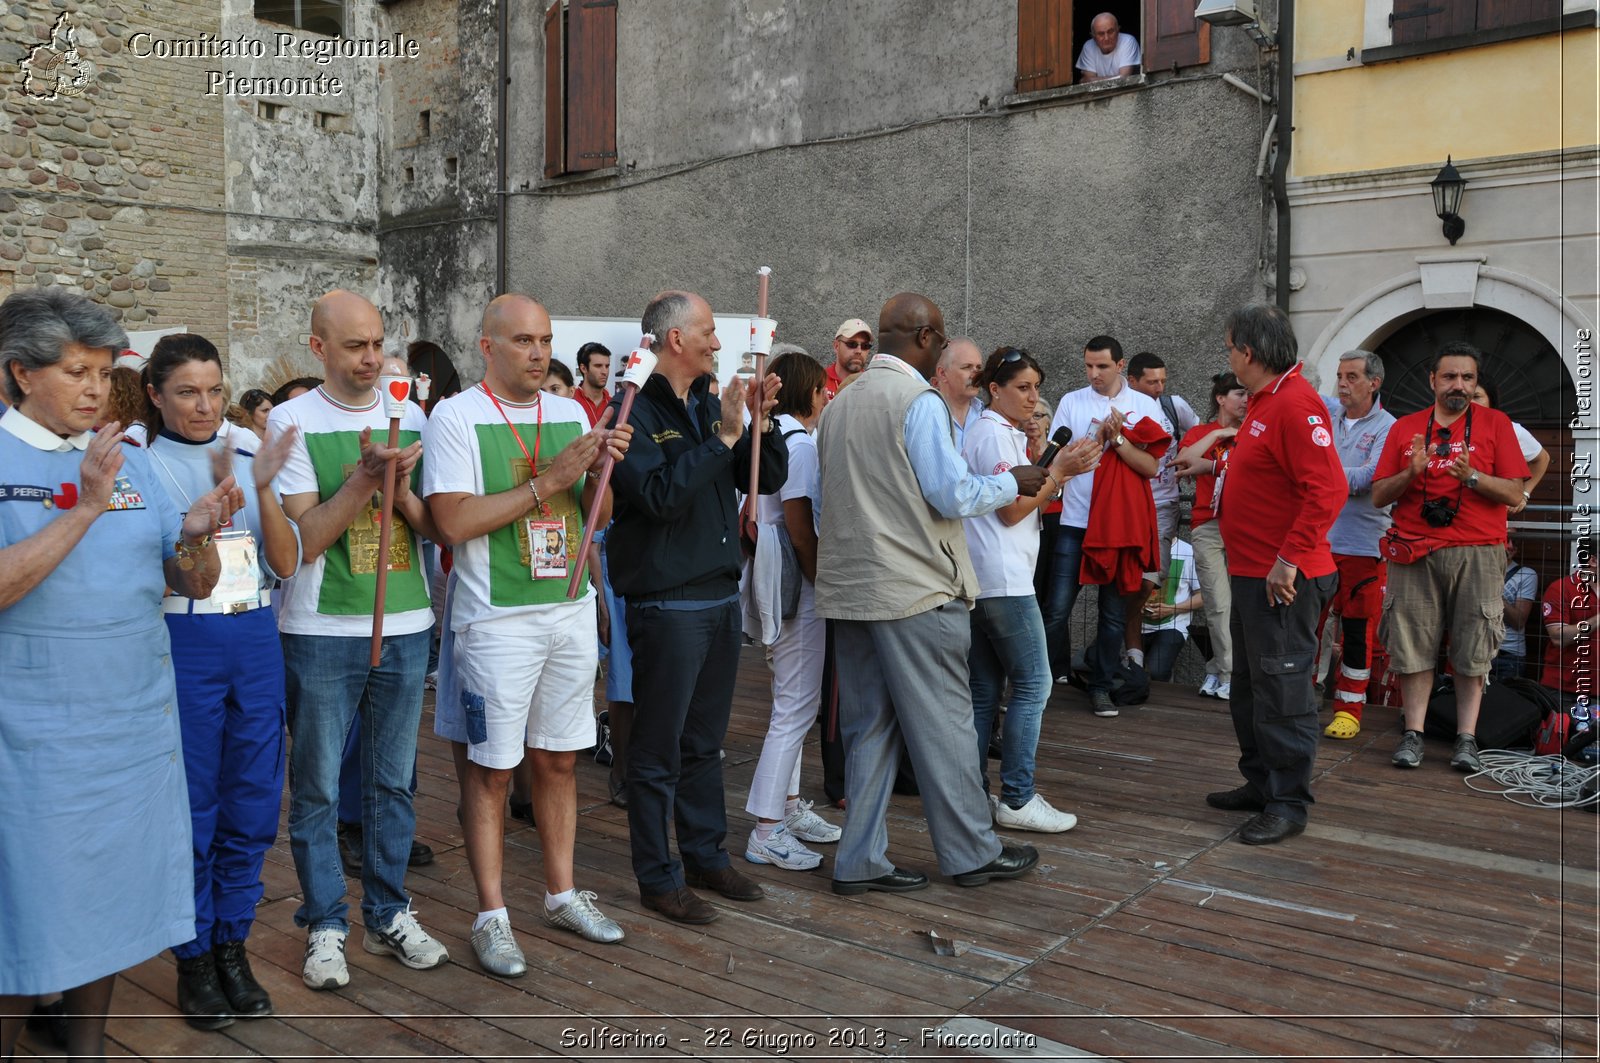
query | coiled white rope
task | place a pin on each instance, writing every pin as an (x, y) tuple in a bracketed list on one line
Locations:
[(1533, 781)]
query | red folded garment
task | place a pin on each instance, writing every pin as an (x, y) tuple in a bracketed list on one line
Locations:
[(1120, 544)]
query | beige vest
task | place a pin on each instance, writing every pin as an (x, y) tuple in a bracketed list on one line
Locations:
[(883, 553)]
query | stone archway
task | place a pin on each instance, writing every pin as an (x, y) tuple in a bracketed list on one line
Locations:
[(1441, 282)]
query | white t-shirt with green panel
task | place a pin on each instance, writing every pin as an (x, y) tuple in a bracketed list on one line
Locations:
[(472, 449), (334, 594)]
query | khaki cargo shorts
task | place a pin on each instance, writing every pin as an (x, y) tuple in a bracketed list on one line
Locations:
[(1455, 591)]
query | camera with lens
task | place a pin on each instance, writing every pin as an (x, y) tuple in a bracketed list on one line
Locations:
[(1438, 513)]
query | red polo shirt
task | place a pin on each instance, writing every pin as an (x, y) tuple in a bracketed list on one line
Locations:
[(1570, 668), (593, 409), (1284, 486), (1494, 451)]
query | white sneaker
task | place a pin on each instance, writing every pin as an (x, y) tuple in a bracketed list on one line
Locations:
[(1208, 689), (994, 807), (781, 849), (810, 827), (325, 967), (405, 940), (1224, 689), (430, 681), (497, 949), (1036, 815)]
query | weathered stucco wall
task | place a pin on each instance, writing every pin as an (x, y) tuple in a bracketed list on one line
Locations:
[(860, 149), (436, 231), (302, 195)]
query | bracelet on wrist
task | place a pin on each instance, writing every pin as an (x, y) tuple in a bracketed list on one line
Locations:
[(538, 503), (187, 551)]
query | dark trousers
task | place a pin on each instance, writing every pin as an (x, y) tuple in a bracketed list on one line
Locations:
[(1273, 699), (684, 667)]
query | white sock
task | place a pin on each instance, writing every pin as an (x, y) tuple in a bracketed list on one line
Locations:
[(1135, 656), (552, 901), (484, 917), (764, 830), (791, 805)]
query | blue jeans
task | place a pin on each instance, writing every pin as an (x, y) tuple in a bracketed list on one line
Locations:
[(1008, 642), (330, 685), (1105, 652), (1161, 649)]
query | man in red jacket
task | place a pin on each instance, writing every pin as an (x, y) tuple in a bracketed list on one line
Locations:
[(1282, 491)]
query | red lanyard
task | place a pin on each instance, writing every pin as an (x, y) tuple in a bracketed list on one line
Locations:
[(533, 459)]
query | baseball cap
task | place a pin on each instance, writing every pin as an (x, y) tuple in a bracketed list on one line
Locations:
[(853, 327), (128, 358)]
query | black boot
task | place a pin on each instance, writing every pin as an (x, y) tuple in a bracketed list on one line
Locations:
[(245, 996), (200, 995)]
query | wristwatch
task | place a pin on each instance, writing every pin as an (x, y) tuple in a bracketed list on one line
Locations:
[(1118, 440), (1472, 481)]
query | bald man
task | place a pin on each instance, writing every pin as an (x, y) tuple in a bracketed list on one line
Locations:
[(956, 378), (894, 575), (510, 477), (331, 487), (1109, 53)]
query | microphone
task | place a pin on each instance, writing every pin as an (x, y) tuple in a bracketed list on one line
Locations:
[(1062, 437)]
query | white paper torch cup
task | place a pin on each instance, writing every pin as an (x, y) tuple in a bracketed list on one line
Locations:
[(637, 369), (395, 391), (762, 332)]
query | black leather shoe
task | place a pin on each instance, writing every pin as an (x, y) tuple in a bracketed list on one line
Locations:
[(200, 996), (726, 881), (1264, 829), (246, 998), (680, 905), (1239, 799), (896, 881), (619, 792), (421, 855), (1013, 861)]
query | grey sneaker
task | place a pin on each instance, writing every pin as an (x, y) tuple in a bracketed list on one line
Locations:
[(810, 827), (1100, 702), (580, 916), (1409, 755), (325, 967), (405, 940), (1466, 754), (497, 949)]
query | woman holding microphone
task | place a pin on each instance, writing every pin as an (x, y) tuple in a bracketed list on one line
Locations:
[(1008, 639)]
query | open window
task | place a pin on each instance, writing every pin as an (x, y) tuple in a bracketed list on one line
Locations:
[(580, 86), (317, 16), (1052, 33)]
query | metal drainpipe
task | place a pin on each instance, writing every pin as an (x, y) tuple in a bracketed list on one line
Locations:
[(1280, 169), (501, 194)]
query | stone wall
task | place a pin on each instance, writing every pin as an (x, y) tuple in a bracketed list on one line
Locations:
[(116, 189)]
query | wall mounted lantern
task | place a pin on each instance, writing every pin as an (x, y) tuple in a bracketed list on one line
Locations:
[(1447, 189)]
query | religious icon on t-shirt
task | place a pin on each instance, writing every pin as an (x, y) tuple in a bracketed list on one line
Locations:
[(550, 557)]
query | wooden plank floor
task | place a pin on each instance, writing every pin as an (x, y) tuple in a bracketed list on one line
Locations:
[(1415, 918)]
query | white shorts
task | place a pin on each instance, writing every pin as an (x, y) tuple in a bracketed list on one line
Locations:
[(522, 681)]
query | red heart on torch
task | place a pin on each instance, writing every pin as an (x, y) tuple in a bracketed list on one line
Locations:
[(67, 498), (399, 388)]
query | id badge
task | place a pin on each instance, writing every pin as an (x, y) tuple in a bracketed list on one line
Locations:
[(240, 582), (548, 540)]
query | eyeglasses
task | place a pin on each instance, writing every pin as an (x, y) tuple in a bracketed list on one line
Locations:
[(944, 341), (858, 345)]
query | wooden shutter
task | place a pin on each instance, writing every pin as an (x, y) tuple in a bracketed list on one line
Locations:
[(1044, 44), (1493, 14), (1428, 20), (1172, 35), (591, 85), (554, 98)]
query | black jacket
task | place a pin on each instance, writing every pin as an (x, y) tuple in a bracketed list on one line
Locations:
[(675, 535)]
